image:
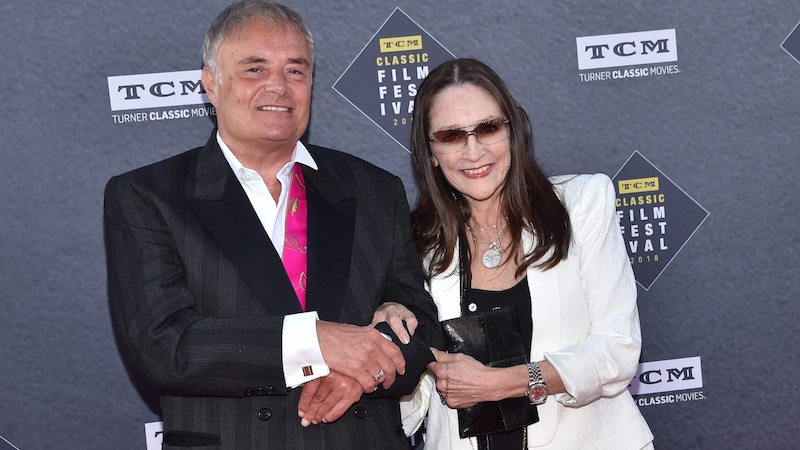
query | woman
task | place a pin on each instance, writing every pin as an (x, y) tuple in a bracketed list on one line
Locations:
[(551, 247)]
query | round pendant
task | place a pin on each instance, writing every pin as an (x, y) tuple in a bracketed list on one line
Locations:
[(491, 258)]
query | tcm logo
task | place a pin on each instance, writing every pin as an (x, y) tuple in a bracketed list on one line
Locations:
[(638, 185), (626, 49), (667, 376), (156, 90), (400, 43)]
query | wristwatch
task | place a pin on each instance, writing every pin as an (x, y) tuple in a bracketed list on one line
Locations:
[(537, 390)]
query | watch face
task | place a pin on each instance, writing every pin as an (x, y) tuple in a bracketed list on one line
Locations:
[(538, 394)]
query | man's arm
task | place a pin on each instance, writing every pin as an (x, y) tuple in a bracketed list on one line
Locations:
[(184, 311), (180, 344), (406, 284)]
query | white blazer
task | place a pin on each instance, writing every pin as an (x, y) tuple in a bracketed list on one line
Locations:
[(585, 322)]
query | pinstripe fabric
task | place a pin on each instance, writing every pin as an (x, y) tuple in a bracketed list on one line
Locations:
[(198, 293)]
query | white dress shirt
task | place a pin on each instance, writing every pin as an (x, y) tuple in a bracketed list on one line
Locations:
[(300, 345)]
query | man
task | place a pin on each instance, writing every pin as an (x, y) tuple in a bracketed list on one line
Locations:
[(243, 275)]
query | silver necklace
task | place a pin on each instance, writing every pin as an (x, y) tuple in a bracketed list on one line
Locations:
[(493, 256)]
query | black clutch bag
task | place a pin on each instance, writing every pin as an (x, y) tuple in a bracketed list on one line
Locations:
[(494, 339)]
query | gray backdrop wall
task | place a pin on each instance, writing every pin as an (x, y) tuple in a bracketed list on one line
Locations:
[(722, 127)]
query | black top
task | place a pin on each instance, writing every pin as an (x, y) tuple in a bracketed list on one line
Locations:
[(518, 296), (484, 301)]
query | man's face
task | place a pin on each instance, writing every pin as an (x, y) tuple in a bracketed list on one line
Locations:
[(263, 94)]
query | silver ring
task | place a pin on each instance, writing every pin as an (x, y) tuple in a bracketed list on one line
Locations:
[(407, 316), (378, 376)]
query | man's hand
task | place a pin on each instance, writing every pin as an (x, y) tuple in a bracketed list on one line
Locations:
[(361, 353), (326, 399)]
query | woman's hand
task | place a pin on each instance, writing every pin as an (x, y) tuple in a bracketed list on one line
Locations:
[(394, 314), (463, 381)]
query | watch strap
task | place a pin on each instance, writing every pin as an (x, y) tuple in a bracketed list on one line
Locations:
[(534, 374)]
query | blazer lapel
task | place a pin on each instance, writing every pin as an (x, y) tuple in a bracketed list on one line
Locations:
[(222, 207), (445, 289), (331, 227), (545, 304)]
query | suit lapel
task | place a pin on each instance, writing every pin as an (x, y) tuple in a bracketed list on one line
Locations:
[(222, 207), (331, 227)]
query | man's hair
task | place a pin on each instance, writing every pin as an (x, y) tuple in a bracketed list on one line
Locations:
[(234, 18)]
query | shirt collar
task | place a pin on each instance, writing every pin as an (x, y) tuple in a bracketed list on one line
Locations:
[(299, 155)]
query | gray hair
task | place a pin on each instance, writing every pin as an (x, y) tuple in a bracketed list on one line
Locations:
[(237, 15)]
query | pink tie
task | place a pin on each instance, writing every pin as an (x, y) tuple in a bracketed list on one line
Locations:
[(295, 245)]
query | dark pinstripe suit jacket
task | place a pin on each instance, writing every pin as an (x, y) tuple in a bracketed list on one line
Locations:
[(198, 294)]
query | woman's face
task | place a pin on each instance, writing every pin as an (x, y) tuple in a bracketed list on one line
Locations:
[(476, 169)]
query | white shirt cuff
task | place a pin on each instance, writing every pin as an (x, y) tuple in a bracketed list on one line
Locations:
[(302, 357)]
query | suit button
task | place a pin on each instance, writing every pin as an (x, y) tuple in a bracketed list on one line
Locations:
[(265, 414), (360, 412), (271, 390)]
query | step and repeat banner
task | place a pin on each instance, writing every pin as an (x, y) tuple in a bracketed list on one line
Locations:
[(692, 109)]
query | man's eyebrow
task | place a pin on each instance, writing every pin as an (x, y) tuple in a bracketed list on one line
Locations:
[(262, 60), (301, 61), (253, 60)]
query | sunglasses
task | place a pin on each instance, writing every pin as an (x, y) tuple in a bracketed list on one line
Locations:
[(489, 132)]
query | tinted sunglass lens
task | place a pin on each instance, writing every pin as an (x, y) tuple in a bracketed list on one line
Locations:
[(449, 136), (486, 129)]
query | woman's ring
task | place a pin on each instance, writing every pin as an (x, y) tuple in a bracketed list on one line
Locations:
[(378, 376)]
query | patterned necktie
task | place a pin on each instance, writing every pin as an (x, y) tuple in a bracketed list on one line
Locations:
[(295, 245)]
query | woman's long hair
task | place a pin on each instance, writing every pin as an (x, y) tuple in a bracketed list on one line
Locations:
[(527, 197)]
